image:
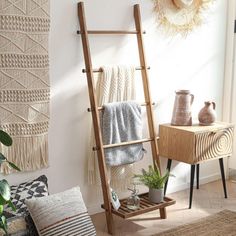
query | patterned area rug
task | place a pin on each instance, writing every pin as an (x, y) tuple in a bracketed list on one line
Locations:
[(220, 224), (24, 81)]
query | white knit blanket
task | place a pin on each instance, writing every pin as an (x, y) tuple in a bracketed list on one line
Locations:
[(116, 83), (24, 82)]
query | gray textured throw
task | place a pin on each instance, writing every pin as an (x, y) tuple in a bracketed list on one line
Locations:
[(122, 122)]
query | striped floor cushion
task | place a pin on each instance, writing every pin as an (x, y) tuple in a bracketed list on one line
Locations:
[(61, 214)]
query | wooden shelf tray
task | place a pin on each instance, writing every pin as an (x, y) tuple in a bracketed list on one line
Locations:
[(145, 206)]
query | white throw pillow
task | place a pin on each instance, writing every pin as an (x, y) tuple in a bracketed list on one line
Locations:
[(61, 214)]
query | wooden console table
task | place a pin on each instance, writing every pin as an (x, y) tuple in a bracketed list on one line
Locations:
[(196, 144)]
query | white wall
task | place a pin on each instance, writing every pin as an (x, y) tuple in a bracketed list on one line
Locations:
[(229, 109), (195, 62)]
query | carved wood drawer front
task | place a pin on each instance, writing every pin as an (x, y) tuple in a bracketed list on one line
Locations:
[(213, 144), (193, 144)]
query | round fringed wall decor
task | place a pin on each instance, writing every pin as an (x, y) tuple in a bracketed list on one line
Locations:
[(180, 16)]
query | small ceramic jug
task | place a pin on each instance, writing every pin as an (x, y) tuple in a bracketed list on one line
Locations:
[(182, 114), (207, 114)]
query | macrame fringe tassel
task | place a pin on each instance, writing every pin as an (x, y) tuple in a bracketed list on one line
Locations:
[(28, 153)]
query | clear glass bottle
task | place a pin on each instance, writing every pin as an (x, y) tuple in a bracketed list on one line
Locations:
[(133, 200)]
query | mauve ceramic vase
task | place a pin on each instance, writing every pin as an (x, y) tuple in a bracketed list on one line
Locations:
[(182, 114), (207, 114)]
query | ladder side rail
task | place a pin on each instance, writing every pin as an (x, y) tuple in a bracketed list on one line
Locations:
[(95, 117), (146, 87)]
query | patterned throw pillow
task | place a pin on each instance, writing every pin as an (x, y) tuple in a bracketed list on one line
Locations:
[(31, 189), (61, 214)]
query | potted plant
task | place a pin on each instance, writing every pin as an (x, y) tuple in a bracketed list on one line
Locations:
[(155, 182), (5, 190)]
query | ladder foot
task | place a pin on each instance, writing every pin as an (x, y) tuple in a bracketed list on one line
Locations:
[(163, 214), (110, 224)]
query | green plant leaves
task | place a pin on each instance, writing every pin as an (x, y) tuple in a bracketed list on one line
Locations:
[(3, 223), (2, 201), (11, 205), (5, 190), (13, 166), (2, 158), (153, 178), (5, 194), (5, 138)]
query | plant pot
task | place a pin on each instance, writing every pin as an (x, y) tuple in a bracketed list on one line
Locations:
[(156, 195)]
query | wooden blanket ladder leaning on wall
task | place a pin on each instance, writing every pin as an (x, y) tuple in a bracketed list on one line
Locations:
[(145, 205)]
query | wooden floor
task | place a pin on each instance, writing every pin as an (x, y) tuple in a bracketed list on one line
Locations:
[(206, 200)]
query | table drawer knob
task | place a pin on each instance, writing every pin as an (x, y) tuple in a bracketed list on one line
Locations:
[(217, 131)]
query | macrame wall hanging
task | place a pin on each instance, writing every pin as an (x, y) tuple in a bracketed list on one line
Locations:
[(180, 16), (24, 81)]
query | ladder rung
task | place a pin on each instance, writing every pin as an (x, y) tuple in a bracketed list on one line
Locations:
[(126, 143), (102, 108), (110, 32), (100, 69)]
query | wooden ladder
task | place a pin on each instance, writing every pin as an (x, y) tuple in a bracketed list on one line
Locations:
[(95, 113)]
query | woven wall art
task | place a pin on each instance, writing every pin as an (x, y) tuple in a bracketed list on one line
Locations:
[(24, 81), (181, 16)]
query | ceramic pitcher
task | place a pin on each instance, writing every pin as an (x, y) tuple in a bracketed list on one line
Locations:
[(207, 114), (182, 114)]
